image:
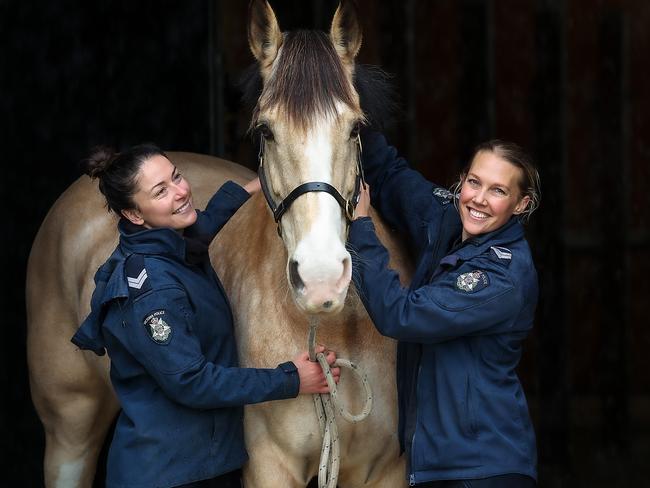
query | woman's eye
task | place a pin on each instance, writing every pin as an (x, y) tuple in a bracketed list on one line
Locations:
[(265, 131), (472, 181), (178, 177), (499, 191), (160, 192)]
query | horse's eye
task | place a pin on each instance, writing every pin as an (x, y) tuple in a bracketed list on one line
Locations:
[(355, 130), (265, 131)]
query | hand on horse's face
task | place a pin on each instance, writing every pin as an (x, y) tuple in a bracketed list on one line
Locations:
[(363, 207), (312, 378)]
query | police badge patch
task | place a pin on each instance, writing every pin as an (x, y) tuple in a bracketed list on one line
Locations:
[(157, 328), (473, 281), (445, 196)]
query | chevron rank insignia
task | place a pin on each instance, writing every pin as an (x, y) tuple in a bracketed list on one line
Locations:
[(136, 275), (502, 252), (159, 330), (501, 255), (138, 281), (473, 281)]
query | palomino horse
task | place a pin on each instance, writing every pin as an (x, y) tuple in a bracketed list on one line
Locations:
[(307, 112)]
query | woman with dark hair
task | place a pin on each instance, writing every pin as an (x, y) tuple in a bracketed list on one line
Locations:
[(463, 416), (161, 313)]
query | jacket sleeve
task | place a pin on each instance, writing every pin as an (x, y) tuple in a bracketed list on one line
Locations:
[(223, 205), (436, 312), (401, 194), (175, 360)]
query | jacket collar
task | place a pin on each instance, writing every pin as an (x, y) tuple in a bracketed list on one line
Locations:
[(162, 240), (473, 246)]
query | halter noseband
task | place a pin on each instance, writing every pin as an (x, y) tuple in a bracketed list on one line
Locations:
[(347, 206)]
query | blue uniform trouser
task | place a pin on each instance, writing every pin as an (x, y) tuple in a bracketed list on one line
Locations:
[(503, 481)]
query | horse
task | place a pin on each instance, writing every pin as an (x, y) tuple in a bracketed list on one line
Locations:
[(307, 113)]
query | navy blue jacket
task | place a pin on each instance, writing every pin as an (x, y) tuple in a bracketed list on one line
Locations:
[(168, 329), (462, 410)]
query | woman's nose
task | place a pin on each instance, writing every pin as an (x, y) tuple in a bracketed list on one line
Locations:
[(182, 190), (479, 197)]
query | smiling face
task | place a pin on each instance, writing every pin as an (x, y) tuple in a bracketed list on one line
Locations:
[(163, 197), (490, 194)]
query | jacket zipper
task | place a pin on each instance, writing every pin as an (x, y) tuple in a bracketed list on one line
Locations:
[(415, 427), (432, 254)]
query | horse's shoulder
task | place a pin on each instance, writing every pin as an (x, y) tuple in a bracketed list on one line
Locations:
[(400, 260)]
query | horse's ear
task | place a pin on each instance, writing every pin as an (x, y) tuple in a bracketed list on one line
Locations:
[(264, 35), (345, 31)]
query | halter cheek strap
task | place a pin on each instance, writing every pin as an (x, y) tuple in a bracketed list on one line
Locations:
[(278, 210)]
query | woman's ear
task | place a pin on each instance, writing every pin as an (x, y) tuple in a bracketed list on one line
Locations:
[(522, 205), (133, 215)]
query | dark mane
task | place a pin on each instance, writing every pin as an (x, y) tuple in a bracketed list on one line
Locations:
[(376, 95), (310, 79)]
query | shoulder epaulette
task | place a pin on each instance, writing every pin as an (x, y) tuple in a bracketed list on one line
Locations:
[(136, 275)]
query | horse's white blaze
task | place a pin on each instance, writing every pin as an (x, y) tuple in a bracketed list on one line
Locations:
[(323, 262)]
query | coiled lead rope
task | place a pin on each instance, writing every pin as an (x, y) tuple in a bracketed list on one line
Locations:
[(326, 406)]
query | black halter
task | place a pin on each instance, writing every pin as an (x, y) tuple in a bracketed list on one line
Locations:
[(347, 206)]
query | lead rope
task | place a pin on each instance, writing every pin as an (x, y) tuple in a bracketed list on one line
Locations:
[(326, 407)]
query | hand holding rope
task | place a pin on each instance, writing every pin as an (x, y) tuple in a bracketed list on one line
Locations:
[(326, 407)]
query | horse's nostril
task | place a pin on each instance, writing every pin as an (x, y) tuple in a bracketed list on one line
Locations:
[(294, 276), (328, 304)]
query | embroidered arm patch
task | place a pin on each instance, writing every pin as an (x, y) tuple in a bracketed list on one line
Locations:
[(444, 196), (159, 330), (473, 281)]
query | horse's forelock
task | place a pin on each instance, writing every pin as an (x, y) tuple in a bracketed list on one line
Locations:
[(309, 80)]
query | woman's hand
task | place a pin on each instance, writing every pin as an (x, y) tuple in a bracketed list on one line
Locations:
[(253, 186), (312, 378), (363, 207)]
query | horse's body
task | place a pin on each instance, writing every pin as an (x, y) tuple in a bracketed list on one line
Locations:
[(274, 285), (283, 438)]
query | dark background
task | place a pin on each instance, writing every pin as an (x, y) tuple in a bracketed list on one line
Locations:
[(566, 79)]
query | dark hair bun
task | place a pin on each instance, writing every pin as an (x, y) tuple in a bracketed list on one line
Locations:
[(99, 161)]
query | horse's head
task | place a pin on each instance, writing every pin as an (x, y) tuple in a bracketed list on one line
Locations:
[(308, 116)]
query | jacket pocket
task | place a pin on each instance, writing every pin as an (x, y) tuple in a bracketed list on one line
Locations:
[(468, 420)]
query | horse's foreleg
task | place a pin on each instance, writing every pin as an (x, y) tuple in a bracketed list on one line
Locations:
[(382, 473), (270, 467)]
